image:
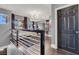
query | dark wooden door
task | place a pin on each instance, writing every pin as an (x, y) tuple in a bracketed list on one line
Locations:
[(68, 29)]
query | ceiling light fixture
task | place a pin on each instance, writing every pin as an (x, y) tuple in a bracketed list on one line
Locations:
[(37, 15)]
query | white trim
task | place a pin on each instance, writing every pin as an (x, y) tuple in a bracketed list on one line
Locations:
[(8, 50), (55, 46), (48, 35)]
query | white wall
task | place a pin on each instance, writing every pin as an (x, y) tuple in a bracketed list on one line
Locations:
[(18, 17), (5, 29)]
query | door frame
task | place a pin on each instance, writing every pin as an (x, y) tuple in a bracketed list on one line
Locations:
[(56, 24)]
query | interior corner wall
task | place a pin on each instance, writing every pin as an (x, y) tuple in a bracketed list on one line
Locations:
[(18, 17), (53, 33), (5, 29)]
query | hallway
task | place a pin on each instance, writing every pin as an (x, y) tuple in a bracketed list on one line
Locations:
[(30, 32)]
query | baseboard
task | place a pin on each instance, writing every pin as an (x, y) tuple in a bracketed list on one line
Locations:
[(49, 35), (53, 46)]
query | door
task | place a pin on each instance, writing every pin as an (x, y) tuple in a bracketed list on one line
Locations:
[(68, 28)]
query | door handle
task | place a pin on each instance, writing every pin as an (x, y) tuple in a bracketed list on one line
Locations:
[(77, 32)]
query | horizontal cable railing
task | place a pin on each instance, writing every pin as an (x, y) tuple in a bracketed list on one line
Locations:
[(29, 44)]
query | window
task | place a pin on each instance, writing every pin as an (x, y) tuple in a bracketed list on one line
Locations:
[(3, 19)]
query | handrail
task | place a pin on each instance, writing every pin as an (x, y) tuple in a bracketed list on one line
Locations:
[(42, 40)]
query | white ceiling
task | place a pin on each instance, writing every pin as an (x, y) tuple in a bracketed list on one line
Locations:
[(25, 9)]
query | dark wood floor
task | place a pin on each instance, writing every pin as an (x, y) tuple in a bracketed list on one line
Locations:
[(52, 51)]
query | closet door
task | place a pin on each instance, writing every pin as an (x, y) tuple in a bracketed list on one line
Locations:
[(68, 28)]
